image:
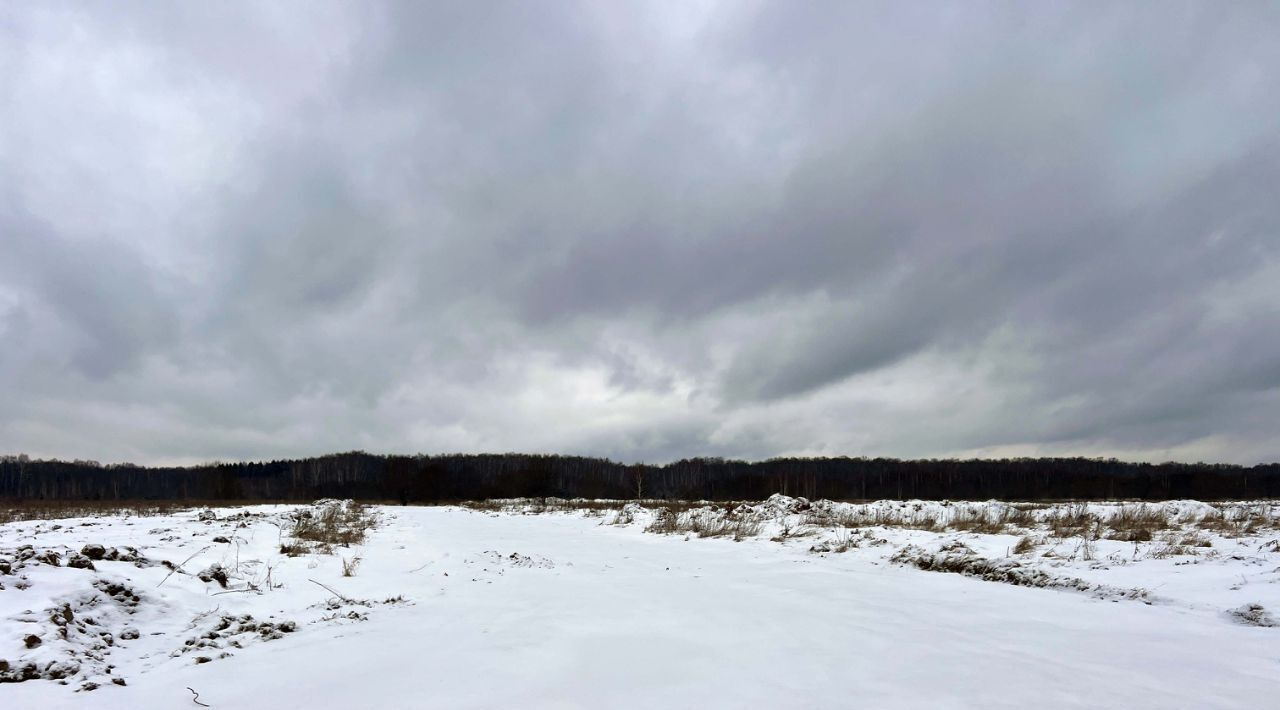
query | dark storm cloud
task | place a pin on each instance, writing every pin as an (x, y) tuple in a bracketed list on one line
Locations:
[(644, 231)]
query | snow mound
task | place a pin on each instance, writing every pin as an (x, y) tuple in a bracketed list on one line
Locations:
[(958, 558), (74, 639), (226, 631)]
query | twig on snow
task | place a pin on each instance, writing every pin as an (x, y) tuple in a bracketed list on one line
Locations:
[(235, 591), (336, 593), (175, 569)]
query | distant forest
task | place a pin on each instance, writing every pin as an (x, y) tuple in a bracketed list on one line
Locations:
[(433, 479)]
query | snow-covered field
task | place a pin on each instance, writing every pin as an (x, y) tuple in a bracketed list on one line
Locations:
[(785, 603)]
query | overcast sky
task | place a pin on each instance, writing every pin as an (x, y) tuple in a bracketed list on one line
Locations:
[(642, 231)]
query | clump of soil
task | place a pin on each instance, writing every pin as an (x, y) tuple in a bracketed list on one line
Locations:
[(1253, 615), (231, 631), (214, 573)]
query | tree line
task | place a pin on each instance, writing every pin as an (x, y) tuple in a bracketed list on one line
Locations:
[(455, 477)]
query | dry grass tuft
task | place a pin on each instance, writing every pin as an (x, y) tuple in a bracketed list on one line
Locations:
[(977, 521), (874, 517), (1137, 523), (1026, 544), (349, 566), (326, 525), (1237, 520), (672, 521), (1074, 520)]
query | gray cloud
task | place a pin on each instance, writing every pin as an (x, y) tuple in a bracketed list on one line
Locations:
[(107, 307), (644, 232)]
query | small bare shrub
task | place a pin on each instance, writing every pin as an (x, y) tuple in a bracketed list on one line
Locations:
[(1087, 548), (665, 522)]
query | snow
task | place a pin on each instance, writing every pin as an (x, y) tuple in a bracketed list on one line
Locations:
[(554, 607)]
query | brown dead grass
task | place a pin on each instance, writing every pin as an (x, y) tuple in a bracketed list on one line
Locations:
[(1238, 520), (672, 521), (979, 521), (1071, 521), (1137, 523), (324, 527), (1026, 544), (17, 511)]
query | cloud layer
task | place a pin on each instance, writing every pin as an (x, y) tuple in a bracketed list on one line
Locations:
[(643, 231)]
